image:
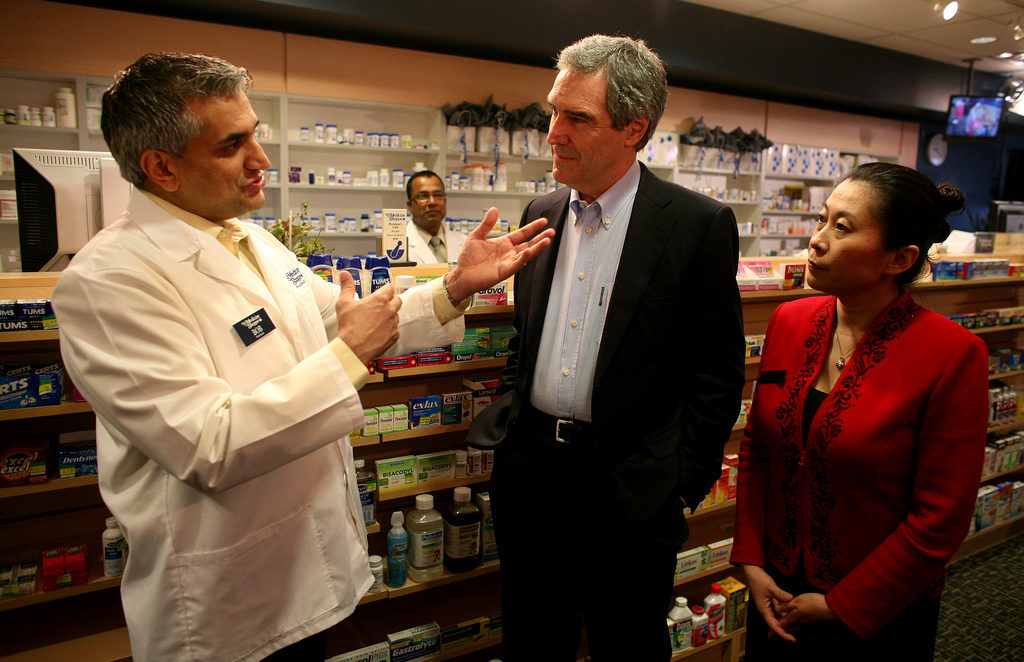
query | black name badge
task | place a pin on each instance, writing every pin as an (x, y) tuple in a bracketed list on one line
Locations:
[(254, 327)]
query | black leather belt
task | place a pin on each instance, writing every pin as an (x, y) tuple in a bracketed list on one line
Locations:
[(559, 430)]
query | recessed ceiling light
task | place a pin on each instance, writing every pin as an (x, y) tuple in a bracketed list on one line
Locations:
[(1005, 55), (984, 40)]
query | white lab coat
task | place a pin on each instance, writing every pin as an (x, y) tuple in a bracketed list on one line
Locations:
[(227, 466), (419, 251)]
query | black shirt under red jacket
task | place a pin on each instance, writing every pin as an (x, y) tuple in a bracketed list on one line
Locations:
[(879, 496)]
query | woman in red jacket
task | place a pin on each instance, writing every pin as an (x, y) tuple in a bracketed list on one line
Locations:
[(862, 454)]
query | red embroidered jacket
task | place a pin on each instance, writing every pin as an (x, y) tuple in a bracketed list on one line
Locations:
[(879, 496)]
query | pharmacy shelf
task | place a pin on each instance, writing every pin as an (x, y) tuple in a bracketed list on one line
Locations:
[(410, 587), (431, 487), (52, 485), (360, 149), (710, 510), (423, 432), (96, 582), (437, 369), (1002, 474), (997, 329), (1004, 375), (993, 535), (52, 410), (29, 336), (731, 639), (1006, 427), (709, 572)]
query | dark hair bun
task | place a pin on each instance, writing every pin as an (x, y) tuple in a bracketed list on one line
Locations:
[(953, 199)]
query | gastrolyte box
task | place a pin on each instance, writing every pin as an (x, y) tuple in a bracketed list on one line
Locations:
[(419, 643), (424, 411), (394, 473)]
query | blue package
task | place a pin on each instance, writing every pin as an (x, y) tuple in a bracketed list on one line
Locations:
[(425, 411)]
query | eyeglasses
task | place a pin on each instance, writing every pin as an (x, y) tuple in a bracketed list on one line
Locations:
[(424, 196)]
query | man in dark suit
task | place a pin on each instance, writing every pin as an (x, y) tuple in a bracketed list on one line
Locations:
[(624, 379)]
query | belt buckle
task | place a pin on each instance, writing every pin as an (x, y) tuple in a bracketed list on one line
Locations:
[(558, 430)]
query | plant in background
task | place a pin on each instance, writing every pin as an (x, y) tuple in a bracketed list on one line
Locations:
[(295, 232)]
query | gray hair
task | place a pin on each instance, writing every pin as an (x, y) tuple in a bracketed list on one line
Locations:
[(637, 87), (147, 106)]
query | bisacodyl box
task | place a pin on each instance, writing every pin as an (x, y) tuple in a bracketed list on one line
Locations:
[(435, 466), (394, 473), (424, 411)]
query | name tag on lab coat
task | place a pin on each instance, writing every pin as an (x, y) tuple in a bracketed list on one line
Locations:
[(254, 327)]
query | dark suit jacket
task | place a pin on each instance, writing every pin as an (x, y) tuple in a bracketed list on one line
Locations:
[(670, 369)]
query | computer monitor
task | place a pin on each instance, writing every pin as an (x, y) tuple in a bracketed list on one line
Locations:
[(64, 198)]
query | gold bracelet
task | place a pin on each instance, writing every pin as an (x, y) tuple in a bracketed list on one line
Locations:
[(447, 294)]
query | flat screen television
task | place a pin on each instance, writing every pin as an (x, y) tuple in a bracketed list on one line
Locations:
[(974, 117), (64, 198)]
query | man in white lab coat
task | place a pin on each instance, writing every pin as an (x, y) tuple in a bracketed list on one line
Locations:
[(225, 375), (430, 241)]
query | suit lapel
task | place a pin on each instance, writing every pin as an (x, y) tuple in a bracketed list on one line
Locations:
[(650, 228)]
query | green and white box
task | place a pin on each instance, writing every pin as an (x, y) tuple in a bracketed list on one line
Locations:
[(401, 418), (394, 473), (370, 422), (376, 653), (691, 561), (435, 466), (386, 419)]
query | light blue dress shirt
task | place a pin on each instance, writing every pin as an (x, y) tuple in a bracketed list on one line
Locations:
[(581, 287)]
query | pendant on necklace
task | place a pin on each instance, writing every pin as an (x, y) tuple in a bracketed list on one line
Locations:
[(840, 364)]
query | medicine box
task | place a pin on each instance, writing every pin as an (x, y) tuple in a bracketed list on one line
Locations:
[(496, 295), (475, 344), (400, 418), (494, 627), (435, 466), (735, 593), (485, 391), (463, 635), (1017, 508), (370, 423), (500, 337), (488, 544), (718, 552), (419, 643), (424, 412), (76, 454), (394, 473), (985, 511), (386, 419), (691, 561), (456, 408), (375, 653)]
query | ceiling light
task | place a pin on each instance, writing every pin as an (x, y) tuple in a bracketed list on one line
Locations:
[(948, 9), (1017, 25), (984, 40)]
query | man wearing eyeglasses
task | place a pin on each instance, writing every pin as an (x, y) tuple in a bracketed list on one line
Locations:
[(429, 241)]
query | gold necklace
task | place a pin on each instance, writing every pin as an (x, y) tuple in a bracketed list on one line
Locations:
[(841, 362)]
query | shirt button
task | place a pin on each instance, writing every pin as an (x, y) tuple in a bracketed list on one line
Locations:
[(573, 324), (580, 276), (589, 230), (566, 372)]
